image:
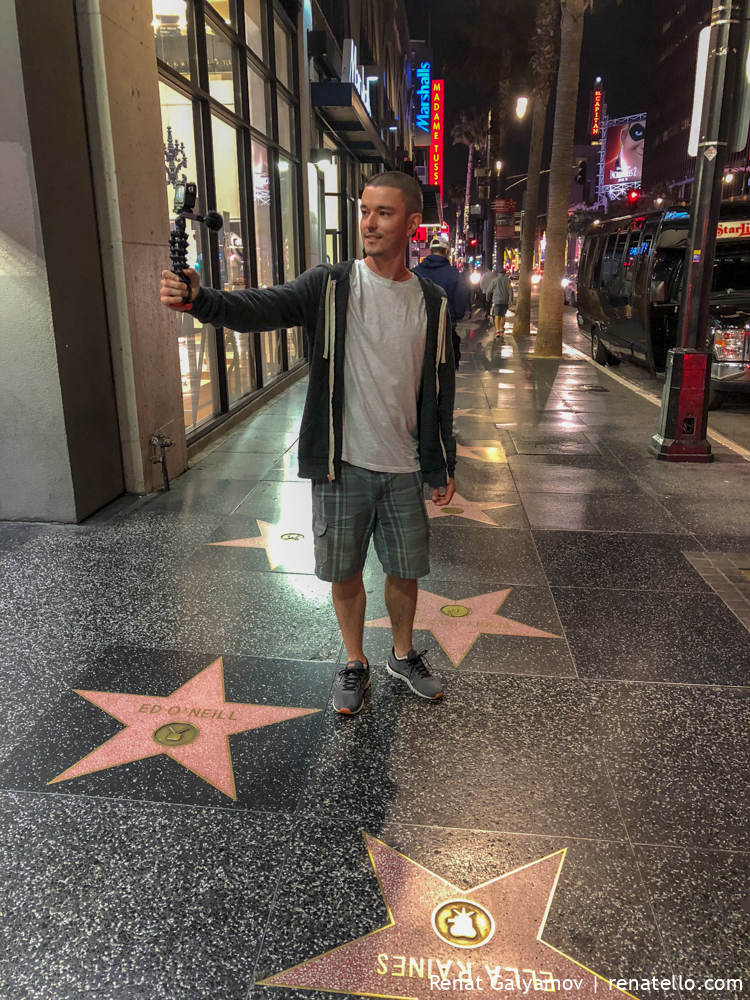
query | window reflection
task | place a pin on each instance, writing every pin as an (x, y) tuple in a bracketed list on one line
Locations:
[(258, 99), (222, 9), (193, 338), (220, 75), (170, 29), (283, 44), (287, 189), (295, 345), (254, 27), (270, 343), (240, 354), (286, 124), (262, 208), (231, 246)]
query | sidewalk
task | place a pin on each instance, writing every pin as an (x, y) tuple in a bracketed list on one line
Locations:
[(588, 609)]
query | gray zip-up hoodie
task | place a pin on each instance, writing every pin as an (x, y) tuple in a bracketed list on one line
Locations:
[(318, 300)]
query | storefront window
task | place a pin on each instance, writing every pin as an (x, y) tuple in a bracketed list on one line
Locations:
[(231, 246), (258, 99), (295, 345), (283, 44), (287, 192), (286, 125), (262, 208), (170, 28), (254, 27), (315, 202), (270, 342), (220, 75), (240, 354), (222, 8), (193, 338)]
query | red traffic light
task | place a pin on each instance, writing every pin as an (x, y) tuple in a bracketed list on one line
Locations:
[(633, 195), (472, 243)]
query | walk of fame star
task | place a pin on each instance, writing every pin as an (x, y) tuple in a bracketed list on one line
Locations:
[(492, 932), (458, 624), (458, 507), (494, 454), (467, 413), (191, 725), (292, 549)]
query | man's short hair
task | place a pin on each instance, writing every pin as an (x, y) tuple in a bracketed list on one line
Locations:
[(410, 189)]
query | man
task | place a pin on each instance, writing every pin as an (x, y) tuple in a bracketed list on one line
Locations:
[(436, 267), (484, 283), (501, 294), (377, 421)]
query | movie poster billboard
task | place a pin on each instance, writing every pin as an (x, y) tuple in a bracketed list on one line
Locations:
[(623, 156)]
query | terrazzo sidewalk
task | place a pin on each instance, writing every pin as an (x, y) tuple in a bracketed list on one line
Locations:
[(588, 609)]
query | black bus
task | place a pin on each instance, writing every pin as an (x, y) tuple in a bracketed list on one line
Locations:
[(630, 278)]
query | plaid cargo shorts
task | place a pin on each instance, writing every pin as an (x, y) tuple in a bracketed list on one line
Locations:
[(387, 507)]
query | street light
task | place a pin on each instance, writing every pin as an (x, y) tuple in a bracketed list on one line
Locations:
[(498, 165), (521, 105)]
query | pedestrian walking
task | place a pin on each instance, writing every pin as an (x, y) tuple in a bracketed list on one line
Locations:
[(484, 283), (436, 267), (500, 292), (377, 421)]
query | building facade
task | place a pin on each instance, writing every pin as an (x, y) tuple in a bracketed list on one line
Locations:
[(277, 110)]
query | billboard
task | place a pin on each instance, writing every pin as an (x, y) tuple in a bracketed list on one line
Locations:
[(595, 114), (623, 152), (435, 171), (422, 96)]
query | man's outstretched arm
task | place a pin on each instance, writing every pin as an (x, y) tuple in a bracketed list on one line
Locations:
[(292, 304)]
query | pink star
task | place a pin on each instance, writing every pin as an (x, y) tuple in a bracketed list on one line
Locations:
[(494, 454), (196, 719), (458, 507), (458, 624), (283, 547)]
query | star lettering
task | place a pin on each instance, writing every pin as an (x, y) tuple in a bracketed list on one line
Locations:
[(191, 725), (437, 931), (284, 546), (459, 507), (458, 624)]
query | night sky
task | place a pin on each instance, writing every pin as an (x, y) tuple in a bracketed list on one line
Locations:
[(616, 46)]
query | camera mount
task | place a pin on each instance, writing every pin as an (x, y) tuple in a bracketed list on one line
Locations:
[(184, 203)]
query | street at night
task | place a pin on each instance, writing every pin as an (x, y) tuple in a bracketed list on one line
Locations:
[(375, 499)]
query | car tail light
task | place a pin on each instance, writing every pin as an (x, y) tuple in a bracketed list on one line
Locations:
[(729, 344)]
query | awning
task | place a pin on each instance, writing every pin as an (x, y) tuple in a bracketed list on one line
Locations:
[(340, 106)]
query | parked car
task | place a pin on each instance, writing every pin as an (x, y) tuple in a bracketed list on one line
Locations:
[(630, 280)]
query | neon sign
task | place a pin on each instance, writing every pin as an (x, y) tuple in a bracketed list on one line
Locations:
[(595, 118), (435, 173), (424, 96)]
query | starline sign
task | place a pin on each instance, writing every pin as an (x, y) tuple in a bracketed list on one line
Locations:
[(424, 96), (436, 135)]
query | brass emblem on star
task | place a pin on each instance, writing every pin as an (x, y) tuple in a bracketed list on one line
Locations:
[(453, 510), (292, 536), (176, 734), (456, 610), (463, 923)]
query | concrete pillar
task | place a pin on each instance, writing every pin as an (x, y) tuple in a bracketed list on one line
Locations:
[(121, 87)]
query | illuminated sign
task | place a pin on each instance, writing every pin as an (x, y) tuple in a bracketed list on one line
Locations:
[(424, 96), (352, 72), (595, 117), (435, 171), (733, 230), (623, 142)]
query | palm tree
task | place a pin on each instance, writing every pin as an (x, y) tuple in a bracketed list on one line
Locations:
[(471, 130), (549, 331), (543, 47)]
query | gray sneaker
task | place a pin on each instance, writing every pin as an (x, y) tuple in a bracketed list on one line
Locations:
[(415, 671), (349, 690)]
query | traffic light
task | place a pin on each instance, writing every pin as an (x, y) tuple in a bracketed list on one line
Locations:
[(581, 172), (633, 195), (472, 242)]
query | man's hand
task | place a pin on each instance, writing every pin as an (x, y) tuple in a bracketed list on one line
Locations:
[(172, 292), (442, 495)]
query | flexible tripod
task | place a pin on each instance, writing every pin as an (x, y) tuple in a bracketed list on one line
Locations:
[(184, 203)]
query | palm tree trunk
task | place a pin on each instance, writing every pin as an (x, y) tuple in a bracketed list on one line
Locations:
[(549, 335), (522, 321), (469, 172)]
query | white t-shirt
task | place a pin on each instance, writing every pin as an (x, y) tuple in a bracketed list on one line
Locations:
[(386, 331)]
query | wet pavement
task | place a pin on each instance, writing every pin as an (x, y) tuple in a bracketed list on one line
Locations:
[(577, 804)]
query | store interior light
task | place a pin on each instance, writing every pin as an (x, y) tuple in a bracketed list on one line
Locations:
[(521, 105)]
